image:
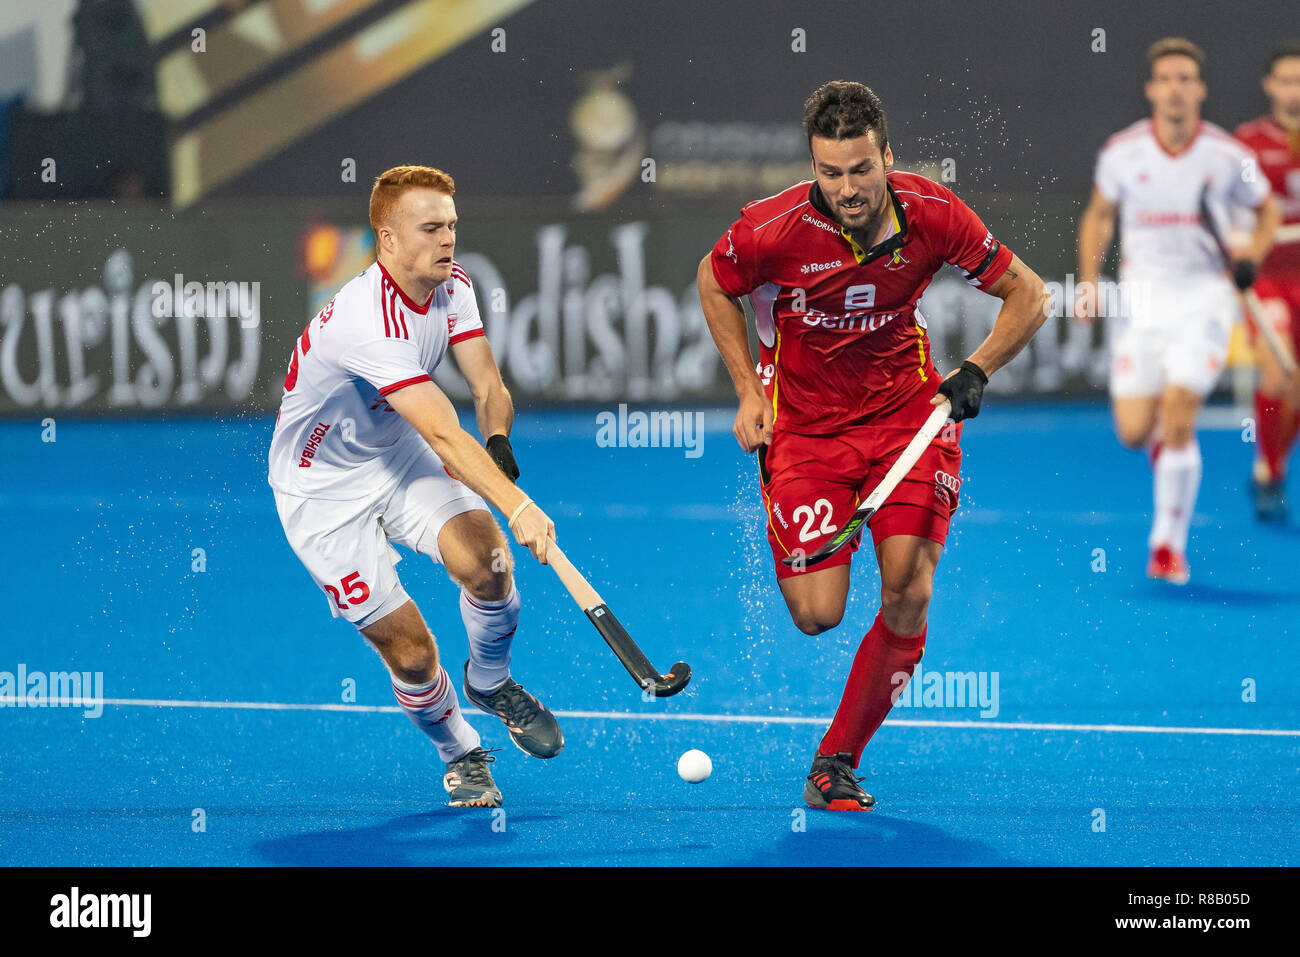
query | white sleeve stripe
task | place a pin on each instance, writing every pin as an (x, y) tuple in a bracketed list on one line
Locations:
[(775, 218), (401, 317), (923, 196), (393, 312)]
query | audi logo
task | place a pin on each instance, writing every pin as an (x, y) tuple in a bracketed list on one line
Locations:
[(946, 480)]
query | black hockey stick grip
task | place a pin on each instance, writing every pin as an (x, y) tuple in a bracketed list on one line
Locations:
[(634, 660), (615, 635)]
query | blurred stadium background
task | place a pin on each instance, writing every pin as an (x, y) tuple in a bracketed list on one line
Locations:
[(598, 150)]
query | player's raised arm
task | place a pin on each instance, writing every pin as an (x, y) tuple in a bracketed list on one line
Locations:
[(432, 415), (726, 319), (1096, 230)]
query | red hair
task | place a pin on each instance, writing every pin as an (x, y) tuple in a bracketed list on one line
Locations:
[(392, 184)]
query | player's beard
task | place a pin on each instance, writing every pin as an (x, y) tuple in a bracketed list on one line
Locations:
[(1179, 111), (870, 225)]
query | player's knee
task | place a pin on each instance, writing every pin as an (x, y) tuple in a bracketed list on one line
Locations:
[(477, 558), (910, 599), (490, 578), (813, 621), (414, 660), (1131, 437), (1178, 434), (1273, 383), (816, 624)]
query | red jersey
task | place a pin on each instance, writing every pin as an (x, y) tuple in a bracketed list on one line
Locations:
[(1278, 151), (841, 339)]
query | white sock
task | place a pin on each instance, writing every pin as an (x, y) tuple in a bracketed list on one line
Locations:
[(435, 710), (1177, 480), (490, 626)]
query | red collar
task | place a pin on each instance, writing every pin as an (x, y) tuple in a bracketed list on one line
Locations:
[(410, 303), (1168, 152)]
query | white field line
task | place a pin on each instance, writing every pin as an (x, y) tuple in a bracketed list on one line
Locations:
[(749, 514), (686, 716)]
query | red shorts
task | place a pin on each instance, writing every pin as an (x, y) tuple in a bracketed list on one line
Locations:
[(811, 484), (1279, 299)]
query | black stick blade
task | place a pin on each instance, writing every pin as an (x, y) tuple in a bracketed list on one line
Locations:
[(634, 660), (668, 685), (851, 530)]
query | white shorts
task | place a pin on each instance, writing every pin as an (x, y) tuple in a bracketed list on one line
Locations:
[(1173, 335), (347, 545)]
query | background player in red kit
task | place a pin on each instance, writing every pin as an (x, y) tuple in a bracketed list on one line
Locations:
[(834, 269), (1275, 138)]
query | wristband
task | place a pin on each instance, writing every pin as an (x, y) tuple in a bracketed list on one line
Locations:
[(498, 446), (522, 505), (1244, 272), (975, 370)]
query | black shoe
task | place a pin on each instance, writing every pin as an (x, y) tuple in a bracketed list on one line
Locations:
[(469, 782), (1270, 500), (832, 785), (532, 727)]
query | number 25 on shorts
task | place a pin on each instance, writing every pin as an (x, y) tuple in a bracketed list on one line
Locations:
[(355, 591)]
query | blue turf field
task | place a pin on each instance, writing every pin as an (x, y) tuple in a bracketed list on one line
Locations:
[(99, 529)]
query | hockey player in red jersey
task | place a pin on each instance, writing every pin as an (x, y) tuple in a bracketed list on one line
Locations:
[(834, 268), (1275, 139)]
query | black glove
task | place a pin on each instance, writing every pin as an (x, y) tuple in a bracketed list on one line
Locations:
[(1243, 273), (964, 389), (498, 446)]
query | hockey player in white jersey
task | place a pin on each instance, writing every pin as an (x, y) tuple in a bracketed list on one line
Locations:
[(1177, 302), (368, 451)]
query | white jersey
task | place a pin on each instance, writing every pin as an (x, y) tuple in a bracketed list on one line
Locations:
[(1159, 195), (336, 437)]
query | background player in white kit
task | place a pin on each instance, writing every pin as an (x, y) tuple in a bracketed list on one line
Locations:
[(367, 451), (1178, 303)]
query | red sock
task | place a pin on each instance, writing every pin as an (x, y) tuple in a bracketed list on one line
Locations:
[(872, 687), (1269, 434)]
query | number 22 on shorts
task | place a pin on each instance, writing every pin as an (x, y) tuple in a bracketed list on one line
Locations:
[(808, 514), (351, 585)]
